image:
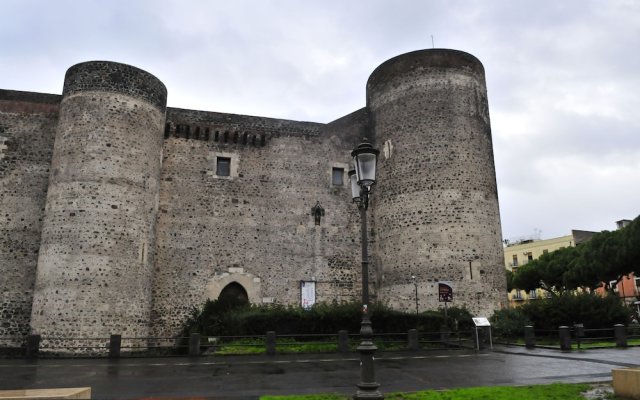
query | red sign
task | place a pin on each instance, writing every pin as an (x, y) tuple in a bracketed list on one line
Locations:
[(445, 292)]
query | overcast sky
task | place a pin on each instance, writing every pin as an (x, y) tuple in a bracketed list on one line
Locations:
[(563, 77)]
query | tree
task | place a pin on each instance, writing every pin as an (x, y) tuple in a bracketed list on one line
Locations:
[(609, 256), (509, 276), (631, 245), (596, 260), (547, 272)]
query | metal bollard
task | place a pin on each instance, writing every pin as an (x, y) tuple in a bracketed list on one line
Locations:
[(194, 345), (270, 343), (115, 343), (480, 338), (412, 337), (343, 341), (565, 338), (620, 333), (529, 337), (33, 346)]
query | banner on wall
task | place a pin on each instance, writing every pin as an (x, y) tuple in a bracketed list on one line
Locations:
[(445, 292), (307, 294)]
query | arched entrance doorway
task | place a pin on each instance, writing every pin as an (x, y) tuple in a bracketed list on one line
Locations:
[(234, 293), (235, 281)]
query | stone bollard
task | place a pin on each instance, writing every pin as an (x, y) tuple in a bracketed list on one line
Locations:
[(115, 343), (194, 345), (412, 337), (565, 338), (270, 343), (33, 346), (343, 341), (620, 334), (529, 337)]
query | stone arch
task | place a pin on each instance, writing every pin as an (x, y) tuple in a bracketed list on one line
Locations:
[(235, 292), (250, 283)]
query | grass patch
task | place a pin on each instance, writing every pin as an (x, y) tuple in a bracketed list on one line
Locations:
[(291, 345), (556, 391), (308, 397), (283, 345), (241, 347), (608, 343)]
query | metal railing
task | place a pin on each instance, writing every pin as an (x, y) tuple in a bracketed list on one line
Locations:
[(116, 346), (575, 337)]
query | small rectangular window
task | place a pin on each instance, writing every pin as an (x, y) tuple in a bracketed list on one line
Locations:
[(515, 260), (223, 166), (545, 251), (529, 256), (337, 177)]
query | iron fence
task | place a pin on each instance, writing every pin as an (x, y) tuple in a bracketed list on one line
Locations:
[(116, 346)]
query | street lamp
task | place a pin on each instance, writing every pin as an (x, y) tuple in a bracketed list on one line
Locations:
[(415, 284), (362, 180)]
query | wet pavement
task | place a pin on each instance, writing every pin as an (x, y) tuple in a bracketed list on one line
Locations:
[(248, 377)]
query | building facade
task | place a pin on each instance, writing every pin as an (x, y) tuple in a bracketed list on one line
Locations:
[(119, 214), (520, 253)]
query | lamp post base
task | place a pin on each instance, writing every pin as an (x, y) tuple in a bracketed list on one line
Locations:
[(368, 387), (369, 393)]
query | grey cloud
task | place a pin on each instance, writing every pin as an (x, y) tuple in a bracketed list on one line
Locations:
[(562, 76)]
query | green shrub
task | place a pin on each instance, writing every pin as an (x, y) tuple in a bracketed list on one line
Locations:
[(223, 319), (509, 323), (590, 309)]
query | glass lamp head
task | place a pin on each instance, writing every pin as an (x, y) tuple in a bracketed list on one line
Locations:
[(364, 160)]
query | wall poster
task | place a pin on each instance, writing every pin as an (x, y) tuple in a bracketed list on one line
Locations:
[(307, 294)]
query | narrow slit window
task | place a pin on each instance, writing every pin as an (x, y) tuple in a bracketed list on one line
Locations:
[(337, 177), (223, 166)]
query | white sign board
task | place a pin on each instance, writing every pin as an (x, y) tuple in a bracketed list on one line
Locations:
[(481, 321), (307, 294)]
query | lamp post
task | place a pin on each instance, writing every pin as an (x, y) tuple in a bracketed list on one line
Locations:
[(362, 180), (415, 284)]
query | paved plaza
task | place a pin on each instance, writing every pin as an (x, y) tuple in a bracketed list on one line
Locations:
[(247, 377)]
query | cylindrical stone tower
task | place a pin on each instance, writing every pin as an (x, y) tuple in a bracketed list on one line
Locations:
[(436, 205), (97, 250)]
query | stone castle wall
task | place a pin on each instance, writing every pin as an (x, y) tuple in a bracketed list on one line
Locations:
[(436, 205), (254, 227), (98, 239), (27, 131), (139, 226)]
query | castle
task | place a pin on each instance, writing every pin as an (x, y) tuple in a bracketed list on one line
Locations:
[(118, 214)]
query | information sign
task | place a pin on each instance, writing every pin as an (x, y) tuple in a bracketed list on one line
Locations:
[(481, 321), (445, 292)]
